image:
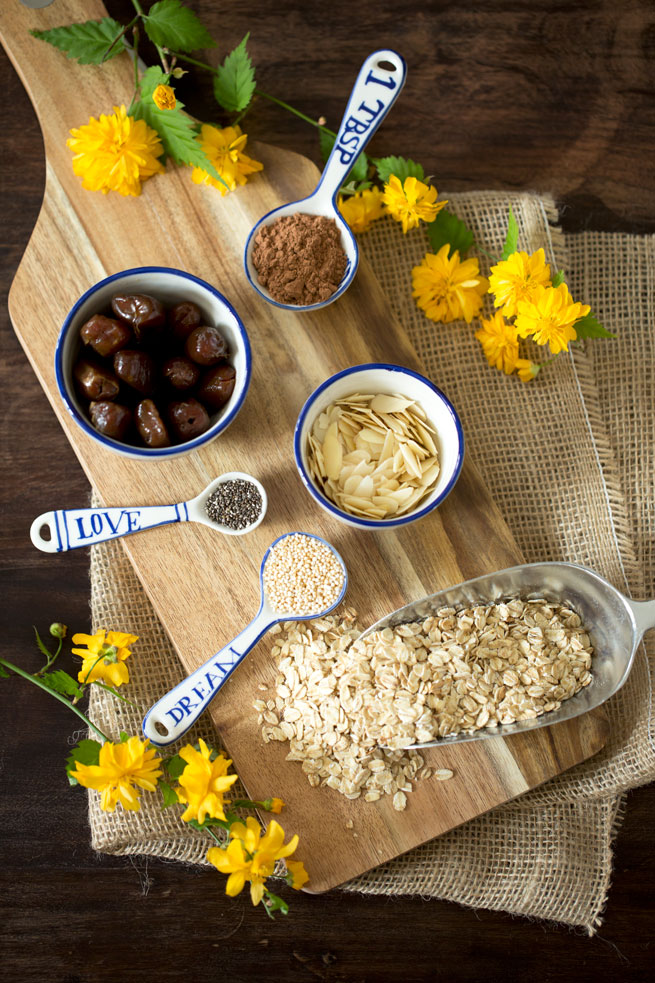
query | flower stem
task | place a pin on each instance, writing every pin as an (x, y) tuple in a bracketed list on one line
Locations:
[(57, 696), (258, 92), (113, 692), (160, 51), (481, 249), (119, 36), (296, 112)]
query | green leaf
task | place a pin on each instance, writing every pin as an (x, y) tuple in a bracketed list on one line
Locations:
[(61, 682), (234, 81), (169, 794), (39, 642), (358, 172), (3, 673), (124, 736), (86, 42), (512, 237), (558, 278), (401, 167), (172, 25), (275, 903), (590, 327), (448, 229), (176, 129), (87, 752), (209, 821), (175, 766)]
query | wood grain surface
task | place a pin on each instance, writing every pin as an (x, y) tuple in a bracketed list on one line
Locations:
[(581, 148), (205, 587)]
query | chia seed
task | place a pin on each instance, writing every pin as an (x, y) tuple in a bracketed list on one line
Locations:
[(236, 504)]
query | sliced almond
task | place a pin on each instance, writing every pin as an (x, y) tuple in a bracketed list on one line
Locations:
[(332, 452), (389, 404)]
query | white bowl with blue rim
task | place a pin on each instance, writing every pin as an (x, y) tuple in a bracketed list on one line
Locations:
[(376, 88), (377, 378), (171, 287)]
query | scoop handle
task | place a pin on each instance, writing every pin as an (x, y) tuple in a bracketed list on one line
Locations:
[(373, 95), (72, 528), (172, 716), (644, 615)]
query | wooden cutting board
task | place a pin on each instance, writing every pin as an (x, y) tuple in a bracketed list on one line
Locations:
[(203, 586)]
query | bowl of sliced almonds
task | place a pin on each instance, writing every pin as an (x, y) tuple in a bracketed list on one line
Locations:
[(378, 446)]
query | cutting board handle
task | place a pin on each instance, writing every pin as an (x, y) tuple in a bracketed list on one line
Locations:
[(53, 81)]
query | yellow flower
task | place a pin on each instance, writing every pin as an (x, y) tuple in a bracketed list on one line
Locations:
[(224, 148), (517, 278), (298, 874), (500, 343), (164, 97), (121, 767), (526, 369), (115, 153), (276, 805), (362, 209), (203, 783), (448, 289), (104, 657), (411, 201), (250, 856), (550, 317)]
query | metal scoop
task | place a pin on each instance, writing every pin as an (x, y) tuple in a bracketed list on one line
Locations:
[(378, 85), (175, 713), (72, 528), (614, 623)]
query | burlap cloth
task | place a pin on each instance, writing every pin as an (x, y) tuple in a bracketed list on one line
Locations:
[(570, 460)]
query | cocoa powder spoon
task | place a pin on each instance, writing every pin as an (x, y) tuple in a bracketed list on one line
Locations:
[(378, 85)]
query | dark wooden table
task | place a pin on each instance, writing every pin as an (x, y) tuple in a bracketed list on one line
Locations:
[(529, 95)]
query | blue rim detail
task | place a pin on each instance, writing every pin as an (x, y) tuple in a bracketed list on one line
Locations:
[(330, 506), (145, 452), (60, 545), (350, 275)]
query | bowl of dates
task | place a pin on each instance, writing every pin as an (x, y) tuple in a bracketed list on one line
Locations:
[(153, 362)]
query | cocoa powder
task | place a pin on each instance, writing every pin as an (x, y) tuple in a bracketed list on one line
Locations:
[(300, 259)]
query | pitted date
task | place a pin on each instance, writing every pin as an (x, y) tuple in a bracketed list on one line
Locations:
[(183, 319), (150, 425), (95, 381), (180, 372), (188, 418), (206, 346), (105, 334), (216, 386), (136, 369), (144, 313), (111, 419)]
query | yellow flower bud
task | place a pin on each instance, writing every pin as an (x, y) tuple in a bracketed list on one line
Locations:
[(58, 630), (164, 97)]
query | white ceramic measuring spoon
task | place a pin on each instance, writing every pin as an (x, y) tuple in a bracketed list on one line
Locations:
[(378, 85), (73, 528), (175, 713)]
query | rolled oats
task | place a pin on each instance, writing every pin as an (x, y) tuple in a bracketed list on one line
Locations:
[(350, 708)]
